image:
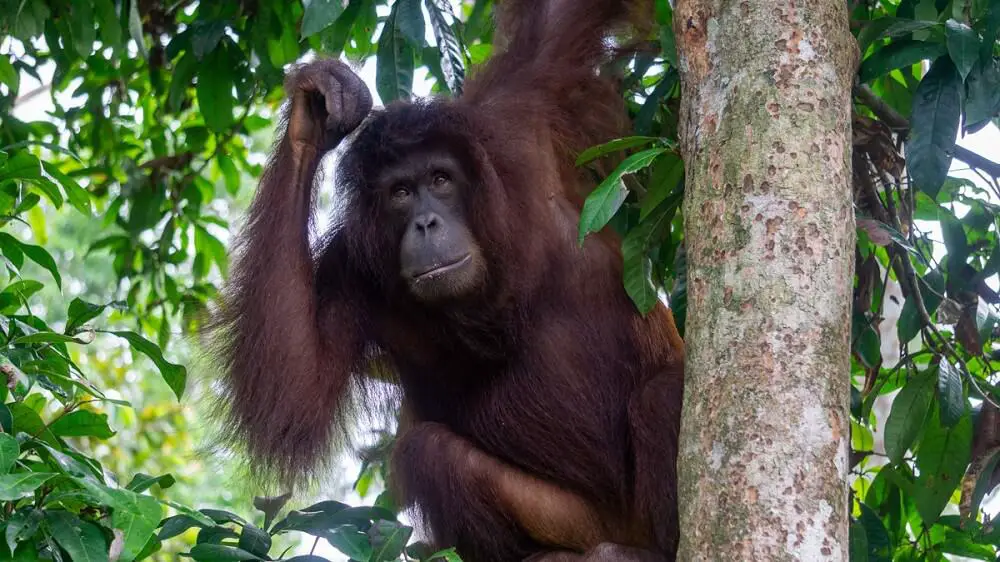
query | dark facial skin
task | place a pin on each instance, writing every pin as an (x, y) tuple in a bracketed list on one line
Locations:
[(438, 256)]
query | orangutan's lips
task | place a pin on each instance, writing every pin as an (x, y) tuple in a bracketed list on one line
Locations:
[(444, 268)]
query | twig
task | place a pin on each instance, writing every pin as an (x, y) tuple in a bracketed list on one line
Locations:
[(900, 124)]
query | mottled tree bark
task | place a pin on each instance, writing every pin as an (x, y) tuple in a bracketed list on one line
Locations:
[(765, 133)]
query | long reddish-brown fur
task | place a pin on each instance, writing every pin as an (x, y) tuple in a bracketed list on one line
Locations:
[(549, 368)]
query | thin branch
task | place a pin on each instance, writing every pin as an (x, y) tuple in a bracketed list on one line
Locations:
[(898, 123)]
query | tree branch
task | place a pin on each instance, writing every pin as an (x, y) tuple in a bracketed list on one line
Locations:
[(899, 124)]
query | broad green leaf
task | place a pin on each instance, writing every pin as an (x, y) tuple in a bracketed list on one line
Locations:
[(205, 243), (906, 418), (137, 516), (352, 542), (942, 457), (21, 484), (668, 44), (222, 516), (9, 450), (142, 482), (82, 540), (82, 423), (45, 337), (394, 68), (388, 540), (135, 27), (229, 173), (220, 552), (205, 36), (899, 54), (215, 90), (110, 25), (9, 74), (931, 290), (449, 48), (410, 21), (81, 25), (668, 173), (868, 347), (951, 394), (983, 482), (937, 107), (78, 197), (28, 421), (177, 524), (879, 547), (616, 145), (80, 312), (22, 525), (608, 197), (255, 541), (963, 46), (22, 165), (858, 543), (982, 100), (320, 14), (175, 375), (890, 27)]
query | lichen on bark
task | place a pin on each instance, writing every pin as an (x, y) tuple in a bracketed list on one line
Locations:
[(765, 134)]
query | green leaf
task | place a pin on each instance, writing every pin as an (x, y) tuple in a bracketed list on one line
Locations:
[(616, 145), (9, 450), (80, 312), (82, 423), (963, 46), (205, 37), (394, 68), (388, 540), (942, 457), (951, 395), (906, 418), (21, 484), (229, 173), (82, 540), (45, 337), (451, 53), (982, 100), (931, 290), (135, 27), (899, 54), (175, 375), (142, 482), (9, 74), (879, 547), (410, 21), (42, 257), (110, 26), (320, 14), (892, 28), (177, 524), (937, 107), (605, 200), (205, 243), (78, 197), (255, 541), (220, 552), (858, 541), (868, 347), (137, 516), (22, 526), (352, 542), (215, 90)]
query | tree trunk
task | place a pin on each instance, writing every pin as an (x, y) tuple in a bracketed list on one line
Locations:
[(766, 138)]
